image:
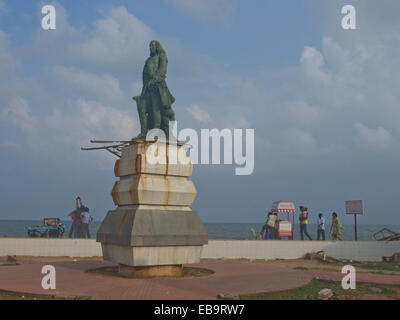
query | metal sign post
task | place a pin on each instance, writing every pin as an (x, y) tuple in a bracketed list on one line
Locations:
[(355, 227), (355, 207)]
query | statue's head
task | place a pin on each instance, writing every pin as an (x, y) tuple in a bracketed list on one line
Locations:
[(155, 47)]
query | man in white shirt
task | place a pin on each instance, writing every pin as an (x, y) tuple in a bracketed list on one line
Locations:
[(86, 219), (321, 227)]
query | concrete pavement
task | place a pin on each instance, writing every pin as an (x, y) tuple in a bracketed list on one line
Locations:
[(231, 276)]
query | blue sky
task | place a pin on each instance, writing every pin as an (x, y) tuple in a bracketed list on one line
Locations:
[(323, 101)]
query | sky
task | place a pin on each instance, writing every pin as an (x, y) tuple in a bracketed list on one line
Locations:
[(323, 101)]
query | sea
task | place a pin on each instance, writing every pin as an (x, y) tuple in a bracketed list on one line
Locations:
[(216, 231)]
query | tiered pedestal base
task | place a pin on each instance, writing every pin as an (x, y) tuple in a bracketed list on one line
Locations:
[(153, 231)]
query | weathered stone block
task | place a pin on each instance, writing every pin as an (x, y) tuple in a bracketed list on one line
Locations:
[(151, 256), (152, 228), (134, 160), (153, 190)]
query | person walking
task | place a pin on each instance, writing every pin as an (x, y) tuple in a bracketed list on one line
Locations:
[(86, 219), (75, 215), (336, 227), (321, 227), (303, 223), (264, 231), (271, 225)]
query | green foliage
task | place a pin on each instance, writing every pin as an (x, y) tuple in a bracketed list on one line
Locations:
[(310, 291)]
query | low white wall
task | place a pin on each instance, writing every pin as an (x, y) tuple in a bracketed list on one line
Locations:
[(41, 247), (215, 249), (286, 249)]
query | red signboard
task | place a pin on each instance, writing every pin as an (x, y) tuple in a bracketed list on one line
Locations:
[(355, 207)]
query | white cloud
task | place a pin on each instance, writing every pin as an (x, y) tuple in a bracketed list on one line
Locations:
[(312, 61), (299, 142), (220, 11), (377, 139), (301, 111), (312, 58), (199, 114), (85, 120), (104, 87), (236, 120), (74, 125), (106, 121), (71, 125), (120, 40), (119, 44), (7, 61), (18, 114)]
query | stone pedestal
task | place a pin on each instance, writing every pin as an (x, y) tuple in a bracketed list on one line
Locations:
[(152, 231)]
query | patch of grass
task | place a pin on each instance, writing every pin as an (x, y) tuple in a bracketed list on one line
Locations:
[(325, 269), (384, 273), (7, 295), (328, 260), (379, 266), (310, 291), (300, 268), (9, 264)]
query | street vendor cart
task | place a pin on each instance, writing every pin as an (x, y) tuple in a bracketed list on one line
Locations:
[(284, 227)]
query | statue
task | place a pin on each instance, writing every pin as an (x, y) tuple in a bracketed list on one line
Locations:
[(154, 103), (147, 235)]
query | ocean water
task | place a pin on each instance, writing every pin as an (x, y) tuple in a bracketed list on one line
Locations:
[(220, 231)]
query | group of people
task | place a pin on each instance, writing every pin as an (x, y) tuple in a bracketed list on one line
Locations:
[(80, 221), (335, 229), (268, 231)]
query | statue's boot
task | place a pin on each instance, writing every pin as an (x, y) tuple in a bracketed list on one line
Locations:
[(167, 116), (141, 107)]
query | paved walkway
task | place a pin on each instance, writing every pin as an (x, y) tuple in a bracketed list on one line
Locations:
[(234, 276)]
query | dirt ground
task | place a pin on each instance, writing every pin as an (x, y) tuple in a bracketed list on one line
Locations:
[(316, 264), (315, 267)]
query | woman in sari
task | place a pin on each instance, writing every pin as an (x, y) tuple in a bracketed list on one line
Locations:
[(336, 227)]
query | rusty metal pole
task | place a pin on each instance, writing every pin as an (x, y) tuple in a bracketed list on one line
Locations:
[(355, 226)]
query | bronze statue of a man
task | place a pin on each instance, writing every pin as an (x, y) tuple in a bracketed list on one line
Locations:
[(154, 103)]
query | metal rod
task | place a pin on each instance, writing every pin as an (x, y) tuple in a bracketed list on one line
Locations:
[(110, 141), (355, 226), (113, 152), (103, 147)]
